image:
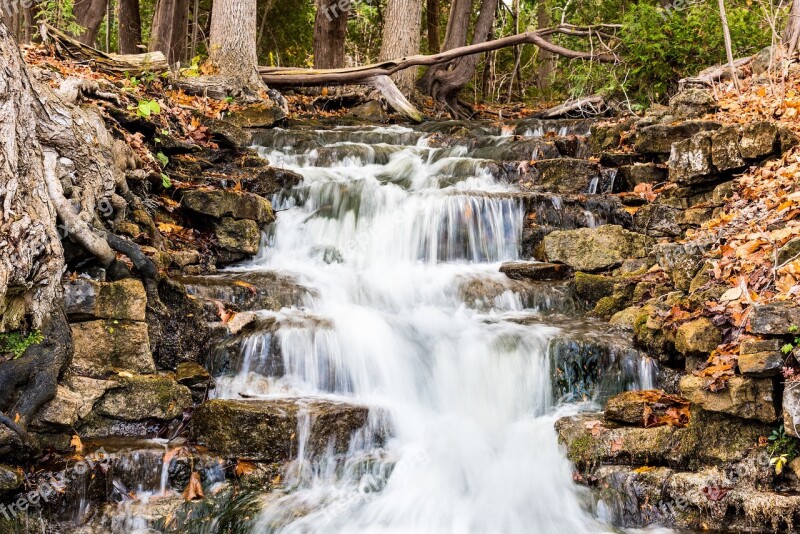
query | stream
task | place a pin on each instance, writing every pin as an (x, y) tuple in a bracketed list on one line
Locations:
[(390, 233)]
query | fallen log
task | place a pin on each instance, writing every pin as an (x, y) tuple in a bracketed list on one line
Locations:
[(585, 107), (712, 75)]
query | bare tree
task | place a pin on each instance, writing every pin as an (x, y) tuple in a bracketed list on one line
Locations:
[(233, 43), (432, 13), (130, 27), (89, 14), (728, 46), (330, 32), (170, 29), (401, 37)]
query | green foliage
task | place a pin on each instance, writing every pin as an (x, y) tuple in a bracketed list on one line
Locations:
[(789, 347), (166, 183), (17, 343), (147, 108), (661, 47), (192, 71), (61, 14), (162, 159), (783, 448)]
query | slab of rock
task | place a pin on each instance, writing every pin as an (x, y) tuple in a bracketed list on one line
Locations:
[(791, 408), (256, 116), (658, 138), (698, 336), (142, 398), (105, 347), (748, 398), (725, 153), (11, 478), (692, 103), (759, 140), (236, 204), (592, 249), (565, 175), (778, 318), (525, 270), (680, 260), (690, 160), (267, 430), (74, 400), (647, 408), (371, 111), (86, 299), (761, 357), (192, 374), (243, 236)]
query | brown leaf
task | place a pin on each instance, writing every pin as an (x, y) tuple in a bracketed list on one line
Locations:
[(76, 444), (244, 468), (194, 490)]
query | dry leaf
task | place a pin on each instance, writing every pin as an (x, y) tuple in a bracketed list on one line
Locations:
[(194, 490)]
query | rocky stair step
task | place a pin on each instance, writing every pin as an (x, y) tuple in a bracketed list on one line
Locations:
[(535, 270)]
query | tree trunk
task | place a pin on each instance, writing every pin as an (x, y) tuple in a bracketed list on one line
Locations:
[(89, 14), (330, 32), (547, 60), (726, 32), (401, 37), (170, 29), (432, 18), (792, 32), (130, 27), (444, 82), (233, 42)]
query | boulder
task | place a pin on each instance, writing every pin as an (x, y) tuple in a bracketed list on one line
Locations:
[(371, 111), (748, 398), (690, 159), (759, 140), (725, 154), (525, 270), (259, 115), (225, 133), (761, 357), (778, 318), (87, 299), (11, 478), (236, 204), (105, 347), (657, 220), (238, 236), (267, 430), (658, 138), (698, 336), (791, 408), (192, 374), (142, 398), (680, 261), (626, 318), (692, 103), (73, 401), (592, 249), (647, 408), (565, 175), (593, 287)]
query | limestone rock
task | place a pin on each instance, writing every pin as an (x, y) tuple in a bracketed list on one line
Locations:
[(256, 116), (524, 270), (725, 154), (791, 408), (236, 204), (657, 220), (266, 430), (11, 478), (371, 111), (191, 374), (626, 318), (699, 336), (140, 398), (565, 175), (73, 401), (242, 236), (692, 103), (759, 139), (788, 251), (761, 357), (680, 260), (777, 318), (658, 138), (125, 300), (642, 173), (690, 159), (105, 347), (643, 408), (748, 398), (592, 249)]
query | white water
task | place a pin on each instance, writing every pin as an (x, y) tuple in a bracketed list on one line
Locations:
[(467, 393)]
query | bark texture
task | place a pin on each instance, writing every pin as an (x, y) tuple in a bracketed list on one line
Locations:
[(170, 29), (401, 37), (89, 14), (233, 42), (791, 33), (330, 31), (444, 82), (130, 27), (432, 22)]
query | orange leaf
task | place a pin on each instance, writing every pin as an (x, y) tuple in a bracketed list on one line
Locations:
[(194, 490)]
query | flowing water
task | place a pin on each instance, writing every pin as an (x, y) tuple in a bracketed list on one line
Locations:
[(388, 234)]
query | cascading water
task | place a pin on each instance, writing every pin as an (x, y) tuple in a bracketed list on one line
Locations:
[(387, 232)]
